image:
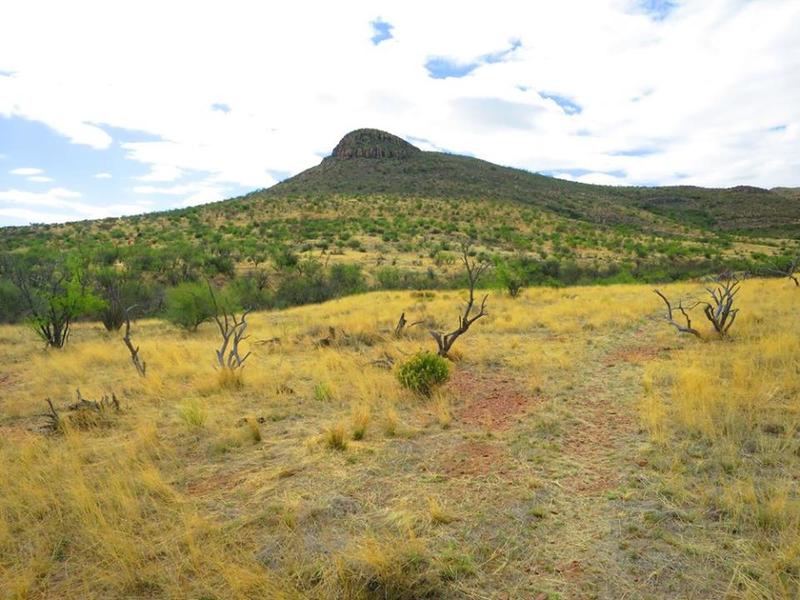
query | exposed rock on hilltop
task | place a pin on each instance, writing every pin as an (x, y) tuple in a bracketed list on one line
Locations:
[(373, 143)]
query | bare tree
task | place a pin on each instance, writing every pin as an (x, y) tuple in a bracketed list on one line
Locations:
[(232, 330), (791, 271), (83, 413), (140, 365), (474, 271), (719, 311), (403, 324), (687, 326)]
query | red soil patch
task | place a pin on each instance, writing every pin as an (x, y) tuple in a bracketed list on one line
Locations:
[(473, 458), (632, 354), (491, 401), (594, 442)]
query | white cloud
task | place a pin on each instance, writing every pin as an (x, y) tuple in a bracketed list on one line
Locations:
[(200, 192), (595, 178), (37, 206), (162, 173), (704, 89), (26, 171), (102, 175)]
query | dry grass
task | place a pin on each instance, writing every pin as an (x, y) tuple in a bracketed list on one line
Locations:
[(198, 488), (724, 420)]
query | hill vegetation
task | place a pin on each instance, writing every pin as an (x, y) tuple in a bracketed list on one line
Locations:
[(381, 214)]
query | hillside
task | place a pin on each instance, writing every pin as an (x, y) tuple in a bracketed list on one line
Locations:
[(397, 215), (363, 163)]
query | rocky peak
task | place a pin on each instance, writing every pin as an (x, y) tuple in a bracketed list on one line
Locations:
[(373, 143)]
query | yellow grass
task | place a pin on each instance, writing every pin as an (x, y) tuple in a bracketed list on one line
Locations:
[(726, 415), (199, 488)]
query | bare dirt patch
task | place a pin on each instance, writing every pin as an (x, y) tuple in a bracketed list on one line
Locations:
[(474, 458), (632, 354), (490, 401)]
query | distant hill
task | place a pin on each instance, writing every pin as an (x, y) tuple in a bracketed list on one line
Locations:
[(369, 161), (398, 213)]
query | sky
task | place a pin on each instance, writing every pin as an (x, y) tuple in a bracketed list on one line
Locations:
[(118, 108)]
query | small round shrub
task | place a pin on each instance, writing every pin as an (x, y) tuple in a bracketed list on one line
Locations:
[(423, 372)]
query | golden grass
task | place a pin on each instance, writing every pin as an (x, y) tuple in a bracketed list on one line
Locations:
[(724, 419), (197, 489)]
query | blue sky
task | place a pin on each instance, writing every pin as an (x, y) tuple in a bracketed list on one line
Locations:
[(103, 121)]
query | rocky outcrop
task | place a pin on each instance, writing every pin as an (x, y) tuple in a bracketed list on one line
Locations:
[(373, 143)]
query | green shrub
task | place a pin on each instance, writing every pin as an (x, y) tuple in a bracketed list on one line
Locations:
[(189, 304), (423, 372)]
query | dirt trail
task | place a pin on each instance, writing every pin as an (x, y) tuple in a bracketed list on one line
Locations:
[(599, 452), (572, 544)]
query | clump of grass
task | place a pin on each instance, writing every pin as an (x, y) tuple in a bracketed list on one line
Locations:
[(455, 563), (443, 411), (228, 379), (323, 392), (439, 513), (423, 372), (391, 422), (397, 568), (336, 437), (360, 420), (254, 430), (194, 415)]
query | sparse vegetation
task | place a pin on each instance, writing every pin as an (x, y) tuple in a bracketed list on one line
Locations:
[(531, 454)]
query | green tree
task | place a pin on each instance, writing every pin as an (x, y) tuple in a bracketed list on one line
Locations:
[(54, 292), (189, 305)]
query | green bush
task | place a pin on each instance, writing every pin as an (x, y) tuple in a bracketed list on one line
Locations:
[(423, 372), (189, 304)]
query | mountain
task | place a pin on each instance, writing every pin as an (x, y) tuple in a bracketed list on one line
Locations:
[(383, 204), (369, 161)]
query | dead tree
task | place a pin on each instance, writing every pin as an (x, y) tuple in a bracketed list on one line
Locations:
[(687, 326), (403, 324), (791, 271), (140, 365), (96, 405), (52, 422), (83, 413), (232, 330), (720, 311), (474, 270)]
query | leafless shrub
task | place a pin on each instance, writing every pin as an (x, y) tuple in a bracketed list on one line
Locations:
[(141, 366), (232, 330), (474, 269), (686, 327), (719, 311), (83, 414), (792, 271)]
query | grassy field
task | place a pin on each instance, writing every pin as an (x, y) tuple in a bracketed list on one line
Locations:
[(581, 449)]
